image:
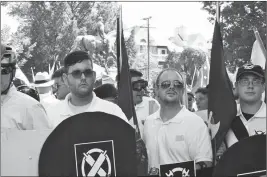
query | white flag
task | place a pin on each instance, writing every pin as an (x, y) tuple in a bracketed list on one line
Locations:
[(257, 56)]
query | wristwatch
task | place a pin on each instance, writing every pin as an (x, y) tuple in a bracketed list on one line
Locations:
[(202, 165)]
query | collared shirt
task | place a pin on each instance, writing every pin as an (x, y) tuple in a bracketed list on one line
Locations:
[(183, 138), (256, 124), (48, 99), (63, 110), (20, 111), (147, 107)]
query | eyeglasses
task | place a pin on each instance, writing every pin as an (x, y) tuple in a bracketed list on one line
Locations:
[(77, 73), (246, 82), (6, 70), (176, 84), (139, 85), (190, 99)]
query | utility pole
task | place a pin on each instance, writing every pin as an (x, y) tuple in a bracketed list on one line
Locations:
[(148, 46)]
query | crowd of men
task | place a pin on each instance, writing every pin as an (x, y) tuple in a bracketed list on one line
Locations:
[(171, 131)]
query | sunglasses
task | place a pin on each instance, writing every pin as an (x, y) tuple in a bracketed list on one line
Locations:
[(6, 70), (78, 74), (139, 85), (176, 84)]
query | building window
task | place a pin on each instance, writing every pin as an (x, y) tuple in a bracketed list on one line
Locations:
[(163, 52)]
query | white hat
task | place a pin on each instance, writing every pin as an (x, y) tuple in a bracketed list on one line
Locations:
[(42, 79)]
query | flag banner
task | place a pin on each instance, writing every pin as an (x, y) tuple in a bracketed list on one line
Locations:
[(255, 173), (77, 148), (178, 169), (222, 105), (257, 56), (125, 99), (247, 155), (20, 151), (21, 76)]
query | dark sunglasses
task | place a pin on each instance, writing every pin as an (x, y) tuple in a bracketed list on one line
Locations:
[(77, 73), (6, 55), (139, 85), (6, 70), (176, 84)]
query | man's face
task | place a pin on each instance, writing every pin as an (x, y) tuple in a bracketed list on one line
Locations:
[(5, 77), (60, 89), (201, 101), (171, 88), (80, 78), (249, 88), (137, 95)]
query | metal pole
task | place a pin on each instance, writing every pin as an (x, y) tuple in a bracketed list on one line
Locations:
[(148, 49)]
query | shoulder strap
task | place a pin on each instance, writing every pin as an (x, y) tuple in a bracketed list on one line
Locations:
[(239, 129)]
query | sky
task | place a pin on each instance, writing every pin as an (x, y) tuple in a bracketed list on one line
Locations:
[(166, 16)]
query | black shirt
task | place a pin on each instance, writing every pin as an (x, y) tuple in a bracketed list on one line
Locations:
[(247, 116)]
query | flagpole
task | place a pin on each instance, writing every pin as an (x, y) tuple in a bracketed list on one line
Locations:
[(32, 75), (214, 142)]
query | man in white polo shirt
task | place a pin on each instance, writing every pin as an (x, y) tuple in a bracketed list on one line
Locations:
[(251, 112), (173, 134), (80, 78)]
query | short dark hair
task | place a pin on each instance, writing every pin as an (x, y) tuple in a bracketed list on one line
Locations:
[(203, 90), (133, 73), (106, 91), (58, 73), (76, 57), (168, 69)]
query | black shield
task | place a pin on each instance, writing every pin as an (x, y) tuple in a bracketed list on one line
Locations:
[(80, 141), (247, 155)]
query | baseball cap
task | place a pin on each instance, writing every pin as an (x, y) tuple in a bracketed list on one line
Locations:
[(250, 68)]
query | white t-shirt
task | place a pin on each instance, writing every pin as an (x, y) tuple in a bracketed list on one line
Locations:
[(64, 109), (183, 138), (147, 107), (255, 124)]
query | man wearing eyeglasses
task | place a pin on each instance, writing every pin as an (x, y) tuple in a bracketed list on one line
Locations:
[(144, 106), (18, 110), (251, 110), (80, 77), (174, 134), (59, 88)]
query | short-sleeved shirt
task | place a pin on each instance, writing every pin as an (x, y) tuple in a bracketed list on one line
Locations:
[(22, 112), (64, 109), (183, 138), (147, 107), (255, 125)]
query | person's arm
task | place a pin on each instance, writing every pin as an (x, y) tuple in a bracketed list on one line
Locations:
[(200, 148)]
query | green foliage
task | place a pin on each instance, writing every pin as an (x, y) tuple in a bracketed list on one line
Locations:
[(47, 29), (131, 48), (237, 21)]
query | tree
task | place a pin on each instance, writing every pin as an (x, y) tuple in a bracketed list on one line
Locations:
[(5, 34), (189, 61), (48, 29), (237, 21), (131, 48)]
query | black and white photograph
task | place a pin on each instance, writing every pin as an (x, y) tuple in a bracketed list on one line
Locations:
[(133, 88)]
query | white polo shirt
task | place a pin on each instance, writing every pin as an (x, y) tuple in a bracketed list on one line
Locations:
[(183, 138), (64, 109), (147, 107), (256, 123), (22, 112)]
